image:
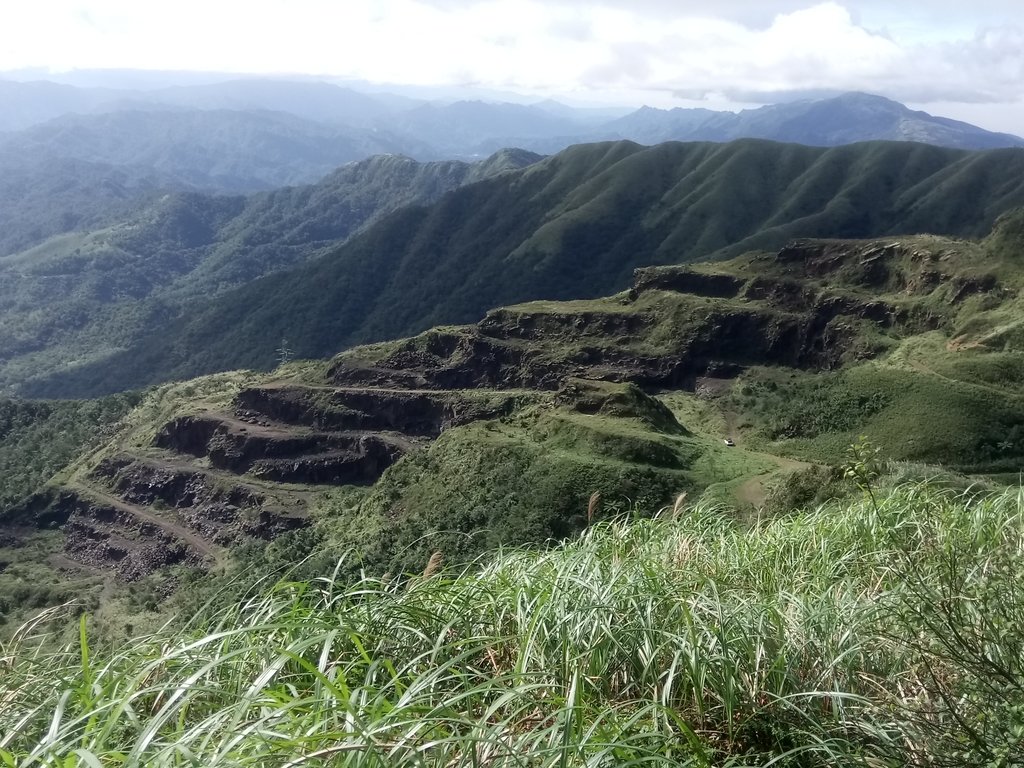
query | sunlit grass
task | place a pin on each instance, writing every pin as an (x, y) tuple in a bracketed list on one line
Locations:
[(864, 634)]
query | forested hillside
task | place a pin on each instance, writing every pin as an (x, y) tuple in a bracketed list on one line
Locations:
[(43, 197), (572, 226), (85, 295), (38, 438)]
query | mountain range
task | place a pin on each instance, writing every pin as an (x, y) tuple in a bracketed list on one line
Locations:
[(214, 150), (699, 451), (76, 158), (843, 119), (419, 360), (193, 285), (830, 435), (83, 126)]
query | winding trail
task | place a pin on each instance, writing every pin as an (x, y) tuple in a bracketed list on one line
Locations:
[(921, 367), (753, 491)]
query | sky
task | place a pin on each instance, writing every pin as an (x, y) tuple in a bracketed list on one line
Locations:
[(960, 58)]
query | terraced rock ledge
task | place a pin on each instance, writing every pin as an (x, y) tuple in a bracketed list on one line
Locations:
[(214, 479)]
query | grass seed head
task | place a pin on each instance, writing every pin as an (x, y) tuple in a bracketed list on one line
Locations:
[(594, 506), (433, 564), (677, 508)]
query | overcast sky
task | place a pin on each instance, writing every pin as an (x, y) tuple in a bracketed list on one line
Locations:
[(962, 58)]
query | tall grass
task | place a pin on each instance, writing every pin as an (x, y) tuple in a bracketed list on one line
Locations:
[(874, 633)]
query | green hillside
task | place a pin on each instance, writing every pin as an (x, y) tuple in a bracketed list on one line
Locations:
[(743, 381), (759, 509), (44, 197), (697, 454), (83, 296), (572, 226), (39, 438)]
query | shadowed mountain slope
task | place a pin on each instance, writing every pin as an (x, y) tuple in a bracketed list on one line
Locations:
[(573, 225), (86, 294)]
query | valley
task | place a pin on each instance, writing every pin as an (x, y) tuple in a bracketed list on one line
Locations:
[(83, 296)]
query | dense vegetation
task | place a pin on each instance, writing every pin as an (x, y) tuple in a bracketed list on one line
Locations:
[(85, 295), (44, 197), (887, 630), (802, 603), (37, 438), (572, 226), (468, 439), (817, 416)]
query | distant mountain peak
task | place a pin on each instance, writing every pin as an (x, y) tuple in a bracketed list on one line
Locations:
[(845, 118), (329, 124)]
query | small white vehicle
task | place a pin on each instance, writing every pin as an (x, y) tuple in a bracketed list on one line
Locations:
[(729, 442)]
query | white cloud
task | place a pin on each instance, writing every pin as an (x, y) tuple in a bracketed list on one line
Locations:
[(641, 51)]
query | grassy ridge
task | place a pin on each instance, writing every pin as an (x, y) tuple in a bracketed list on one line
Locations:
[(877, 633)]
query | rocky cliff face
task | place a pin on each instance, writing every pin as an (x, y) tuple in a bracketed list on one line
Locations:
[(213, 479)]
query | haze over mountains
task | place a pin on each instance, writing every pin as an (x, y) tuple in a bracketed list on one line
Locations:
[(334, 124), (219, 150), (77, 158), (843, 119), (751, 326)]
